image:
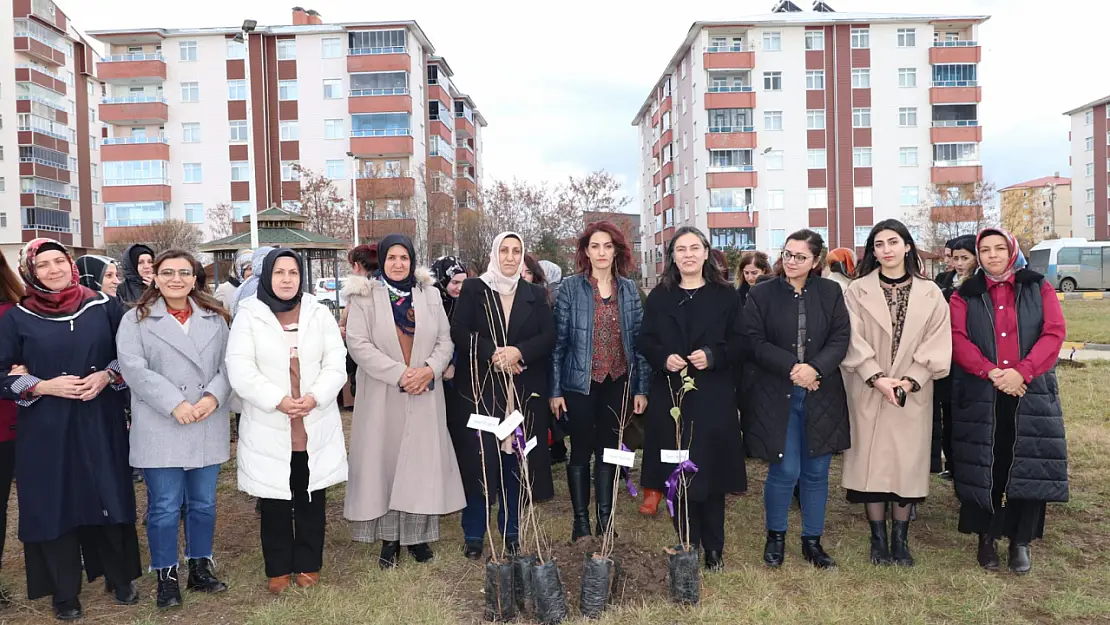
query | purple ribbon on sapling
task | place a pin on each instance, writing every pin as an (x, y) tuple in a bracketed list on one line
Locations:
[(627, 476), (672, 481), (518, 440)]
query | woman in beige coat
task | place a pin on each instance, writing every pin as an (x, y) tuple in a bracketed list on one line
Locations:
[(901, 342), (403, 472)]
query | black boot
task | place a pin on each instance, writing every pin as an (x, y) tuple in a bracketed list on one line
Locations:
[(202, 578), (126, 594), (391, 552), (1020, 564), (68, 610), (815, 554), (714, 561), (473, 549), (169, 591), (988, 552), (578, 480), (899, 543), (880, 544), (604, 474), (774, 551), (421, 552)]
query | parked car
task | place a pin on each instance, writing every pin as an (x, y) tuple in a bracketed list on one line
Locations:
[(327, 294), (1071, 264)]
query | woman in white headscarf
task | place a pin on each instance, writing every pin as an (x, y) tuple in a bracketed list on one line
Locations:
[(504, 332), (240, 270), (250, 286)]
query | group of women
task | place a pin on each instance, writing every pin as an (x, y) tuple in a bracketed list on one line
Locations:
[(793, 368)]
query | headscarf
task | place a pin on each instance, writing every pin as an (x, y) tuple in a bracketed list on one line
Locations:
[(846, 258), (132, 286), (242, 261), (41, 300), (250, 285), (91, 268), (443, 271), (265, 291), (505, 285), (400, 291), (553, 272), (1015, 254)]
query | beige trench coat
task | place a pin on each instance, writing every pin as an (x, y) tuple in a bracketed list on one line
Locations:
[(891, 445), (401, 457)]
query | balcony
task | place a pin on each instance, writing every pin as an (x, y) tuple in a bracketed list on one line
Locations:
[(943, 52), (730, 99), (956, 172), (132, 69), (464, 126), (136, 190), (955, 92), (137, 110), (729, 57), (465, 154), (742, 217), (389, 59), (956, 131), (379, 101), (386, 187), (731, 177), (46, 170), (40, 76), (135, 149), (382, 142), (35, 40), (730, 138)]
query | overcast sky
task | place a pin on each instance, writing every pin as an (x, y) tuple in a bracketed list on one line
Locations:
[(560, 82)]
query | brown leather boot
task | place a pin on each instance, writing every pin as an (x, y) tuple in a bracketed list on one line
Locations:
[(651, 502), (277, 585), (307, 580)]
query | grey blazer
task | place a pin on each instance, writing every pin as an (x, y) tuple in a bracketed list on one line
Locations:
[(164, 366)]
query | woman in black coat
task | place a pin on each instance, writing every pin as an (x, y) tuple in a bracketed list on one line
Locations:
[(796, 415), (76, 499), (502, 325), (692, 322)]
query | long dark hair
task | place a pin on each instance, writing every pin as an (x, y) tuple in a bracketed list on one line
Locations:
[(11, 287), (539, 278), (204, 300), (816, 244), (622, 255), (672, 277), (759, 259), (870, 262)]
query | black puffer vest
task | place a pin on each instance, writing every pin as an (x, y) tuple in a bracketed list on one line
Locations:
[(1040, 467)]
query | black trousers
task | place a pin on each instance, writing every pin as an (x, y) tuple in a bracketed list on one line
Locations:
[(592, 419), (707, 523), (293, 530), (7, 473), (54, 567)]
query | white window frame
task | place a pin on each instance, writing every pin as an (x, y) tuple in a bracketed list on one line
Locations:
[(287, 90), (287, 49), (190, 132), (779, 235), (772, 41), (772, 120), (334, 129), (326, 46), (907, 117), (187, 51), (776, 199), (236, 50), (817, 197), (1090, 144), (815, 119), (861, 38), (861, 78), (336, 88), (288, 173), (817, 158), (861, 156), (1088, 118), (774, 160), (907, 37), (863, 197), (289, 130), (907, 77), (235, 88), (192, 173), (815, 80), (861, 117), (194, 206), (238, 131), (907, 156), (905, 198), (190, 92), (335, 169), (240, 171), (1089, 169), (1090, 197), (772, 78), (861, 234), (815, 40)]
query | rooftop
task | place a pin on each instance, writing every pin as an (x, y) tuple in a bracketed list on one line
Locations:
[(1037, 183), (1089, 105)]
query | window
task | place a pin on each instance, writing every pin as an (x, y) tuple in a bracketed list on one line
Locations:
[(190, 92), (907, 37), (287, 89), (817, 198), (333, 88), (236, 90), (289, 131), (863, 197), (907, 76), (685, 175), (955, 75), (96, 228), (776, 199), (238, 130), (683, 105), (861, 118), (336, 170), (956, 154), (815, 79), (668, 186), (187, 50), (1089, 118), (861, 38), (735, 238), (815, 159), (381, 125), (909, 196), (730, 199), (286, 49), (95, 196), (1090, 195), (907, 157), (772, 81), (1090, 170), (94, 170), (240, 171), (778, 238), (332, 47), (376, 41), (861, 157), (289, 171), (1090, 224), (3, 185), (862, 232), (907, 117), (193, 173), (333, 129), (684, 142), (772, 41), (236, 49), (194, 213), (388, 83), (682, 69), (735, 160), (240, 210), (861, 78), (815, 119), (772, 120), (1090, 143), (773, 159), (190, 132), (127, 173), (815, 40)]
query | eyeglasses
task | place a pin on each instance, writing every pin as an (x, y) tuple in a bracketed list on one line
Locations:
[(787, 257), (168, 274)]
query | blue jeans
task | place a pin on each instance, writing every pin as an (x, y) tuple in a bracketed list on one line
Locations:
[(797, 467), (166, 490), (474, 514)]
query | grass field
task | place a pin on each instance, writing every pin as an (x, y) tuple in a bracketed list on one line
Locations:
[(1088, 320), (1070, 583)]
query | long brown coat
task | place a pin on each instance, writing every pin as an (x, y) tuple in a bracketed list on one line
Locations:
[(401, 456), (891, 445)]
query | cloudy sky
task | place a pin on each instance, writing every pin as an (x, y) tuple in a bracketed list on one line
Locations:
[(559, 85)]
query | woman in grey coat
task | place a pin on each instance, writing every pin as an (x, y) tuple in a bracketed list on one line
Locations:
[(171, 350)]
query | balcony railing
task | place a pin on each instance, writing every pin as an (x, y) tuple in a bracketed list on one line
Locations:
[(954, 123), (732, 209), (715, 169), (955, 44), (41, 189), (464, 174), (716, 129), (42, 70), (732, 89), (391, 91), (386, 174), (136, 182), (135, 99), (970, 162), (382, 50), (382, 132), (134, 140), (43, 161), (955, 83), (123, 58), (741, 47), (33, 30)]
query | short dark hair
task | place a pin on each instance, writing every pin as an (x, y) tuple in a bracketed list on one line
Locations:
[(965, 242), (816, 244)]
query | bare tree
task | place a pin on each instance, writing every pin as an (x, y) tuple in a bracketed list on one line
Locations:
[(439, 196), (596, 191), (385, 197), (165, 235), (327, 212), (219, 218), (1024, 217), (952, 211)]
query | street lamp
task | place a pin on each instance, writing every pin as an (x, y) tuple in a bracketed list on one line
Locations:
[(243, 37), (354, 195)]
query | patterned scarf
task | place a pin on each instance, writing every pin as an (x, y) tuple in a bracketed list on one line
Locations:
[(400, 291), (41, 300), (1015, 254)]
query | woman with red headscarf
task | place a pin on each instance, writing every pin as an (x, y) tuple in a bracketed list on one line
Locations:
[(1008, 444), (76, 499), (841, 266)]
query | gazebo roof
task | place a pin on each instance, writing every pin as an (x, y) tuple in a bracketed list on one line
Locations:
[(277, 227)]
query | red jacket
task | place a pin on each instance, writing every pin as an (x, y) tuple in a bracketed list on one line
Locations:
[(8, 409)]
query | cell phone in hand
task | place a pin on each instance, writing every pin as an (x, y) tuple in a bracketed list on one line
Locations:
[(900, 395)]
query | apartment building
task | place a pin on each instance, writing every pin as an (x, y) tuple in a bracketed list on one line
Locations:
[(1089, 136), (1043, 206), (199, 117), (831, 121), (50, 184)]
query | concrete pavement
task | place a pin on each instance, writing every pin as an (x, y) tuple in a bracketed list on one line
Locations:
[(1083, 355)]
